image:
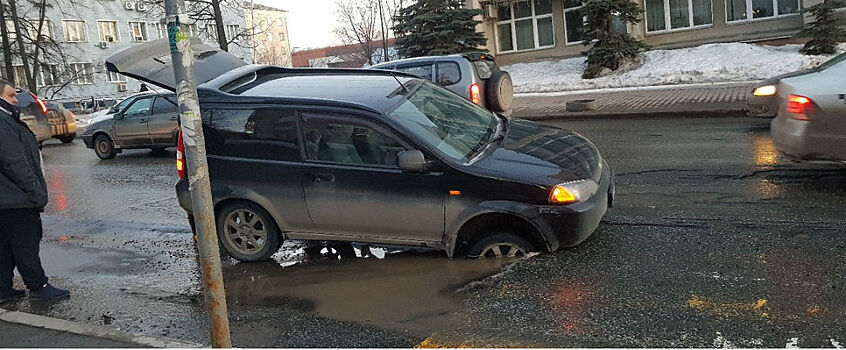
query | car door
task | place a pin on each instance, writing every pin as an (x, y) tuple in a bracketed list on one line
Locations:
[(131, 126), (163, 121), (354, 189)]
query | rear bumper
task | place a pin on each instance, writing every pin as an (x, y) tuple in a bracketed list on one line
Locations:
[(802, 140), (762, 106), (183, 196)]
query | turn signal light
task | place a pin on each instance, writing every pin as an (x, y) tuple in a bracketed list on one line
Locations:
[(475, 94), (798, 105), (560, 194)]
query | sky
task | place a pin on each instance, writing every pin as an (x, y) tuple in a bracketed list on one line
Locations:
[(310, 22)]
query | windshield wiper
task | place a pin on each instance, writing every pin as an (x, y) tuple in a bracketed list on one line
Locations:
[(495, 136)]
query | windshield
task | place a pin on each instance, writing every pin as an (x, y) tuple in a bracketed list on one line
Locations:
[(446, 121)]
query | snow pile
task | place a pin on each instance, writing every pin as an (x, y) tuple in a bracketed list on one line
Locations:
[(702, 64)]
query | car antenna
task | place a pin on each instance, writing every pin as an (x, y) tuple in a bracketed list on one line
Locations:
[(400, 83)]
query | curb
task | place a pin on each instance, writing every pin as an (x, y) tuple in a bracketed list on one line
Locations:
[(99, 332), (749, 83), (637, 115)]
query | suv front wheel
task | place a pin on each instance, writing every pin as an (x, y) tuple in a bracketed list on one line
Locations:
[(501, 244), (247, 232)]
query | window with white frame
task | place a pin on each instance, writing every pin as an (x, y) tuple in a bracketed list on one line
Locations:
[(10, 29), (232, 31), (281, 36), (744, 10), (161, 30), (279, 21), (74, 30), (524, 25), (46, 29), (108, 31), (81, 73), (46, 75), (138, 31), (268, 20), (662, 15), (574, 21), (211, 31), (115, 77)]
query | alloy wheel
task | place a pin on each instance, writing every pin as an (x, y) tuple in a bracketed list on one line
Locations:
[(245, 232)]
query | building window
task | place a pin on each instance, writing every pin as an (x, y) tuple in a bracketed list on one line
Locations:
[(81, 73), (138, 31), (115, 77), (46, 31), (525, 25), (211, 31), (161, 30), (664, 15), (232, 31), (574, 21), (279, 21), (74, 31), (107, 31), (744, 10), (269, 20), (281, 36)]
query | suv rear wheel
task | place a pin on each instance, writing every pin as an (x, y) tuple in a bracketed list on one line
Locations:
[(500, 244), (247, 232)]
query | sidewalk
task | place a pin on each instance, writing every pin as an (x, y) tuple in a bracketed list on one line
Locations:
[(24, 330), (699, 100)]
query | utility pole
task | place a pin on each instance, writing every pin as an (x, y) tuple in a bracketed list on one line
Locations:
[(191, 123)]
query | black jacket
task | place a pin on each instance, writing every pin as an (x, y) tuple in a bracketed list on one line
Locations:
[(22, 183)]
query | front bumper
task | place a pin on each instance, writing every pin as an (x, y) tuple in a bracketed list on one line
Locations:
[(567, 226), (762, 106), (801, 140), (87, 140)]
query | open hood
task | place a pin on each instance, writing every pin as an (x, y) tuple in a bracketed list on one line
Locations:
[(150, 62)]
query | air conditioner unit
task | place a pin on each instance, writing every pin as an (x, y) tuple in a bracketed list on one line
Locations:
[(121, 87), (103, 45), (489, 11), (140, 6), (129, 5)]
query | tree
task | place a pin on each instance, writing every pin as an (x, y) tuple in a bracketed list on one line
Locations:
[(825, 31), (608, 47), (357, 26), (207, 17), (437, 27)]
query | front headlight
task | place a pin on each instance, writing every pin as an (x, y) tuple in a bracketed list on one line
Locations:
[(574, 191), (766, 90)]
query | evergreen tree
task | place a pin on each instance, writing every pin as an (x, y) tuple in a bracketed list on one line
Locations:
[(825, 31), (610, 47), (437, 27)]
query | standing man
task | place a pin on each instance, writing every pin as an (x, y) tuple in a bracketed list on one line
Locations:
[(23, 195)]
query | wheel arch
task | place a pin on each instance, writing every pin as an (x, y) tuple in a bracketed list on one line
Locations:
[(482, 223), (227, 201)]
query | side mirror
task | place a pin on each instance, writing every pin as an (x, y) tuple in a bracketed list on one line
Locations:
[(412, 161), (118, 116)]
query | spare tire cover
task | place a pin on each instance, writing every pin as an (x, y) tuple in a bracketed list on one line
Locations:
[(500, 91)]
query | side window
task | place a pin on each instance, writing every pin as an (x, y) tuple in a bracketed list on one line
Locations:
[(448, 73), (141, 108), (120, 106), (163, 105), (424, 71), (342, 141), (269, 134)]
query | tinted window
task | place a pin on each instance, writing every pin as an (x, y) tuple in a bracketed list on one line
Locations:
[(163, 105), (424, 71), (259, 134), (120, 106), (24, 99), (349, 142), (141, 108), (485, 68), (448, 73)]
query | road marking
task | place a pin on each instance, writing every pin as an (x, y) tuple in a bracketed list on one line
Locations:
[(835, 343), (760, 307), (721, 342), (792, 343)]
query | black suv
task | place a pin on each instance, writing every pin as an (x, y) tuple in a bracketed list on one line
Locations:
[(380, 158)]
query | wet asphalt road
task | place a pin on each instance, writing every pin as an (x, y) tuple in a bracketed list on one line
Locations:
[(714, 241)]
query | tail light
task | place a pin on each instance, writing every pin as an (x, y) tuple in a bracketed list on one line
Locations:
[(180, 156), (799, 105), (475, 94), (40, 103)]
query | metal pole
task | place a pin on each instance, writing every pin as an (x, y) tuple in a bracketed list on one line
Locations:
[(198, 172)]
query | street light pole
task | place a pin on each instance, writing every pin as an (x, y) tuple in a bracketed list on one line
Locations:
[(191, 123)]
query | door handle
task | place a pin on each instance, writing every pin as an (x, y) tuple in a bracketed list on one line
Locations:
[(142, 120), (174, 118), (324, 177)]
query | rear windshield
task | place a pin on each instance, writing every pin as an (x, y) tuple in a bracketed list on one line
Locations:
[(485, 68), (837, 59), (25, 99)]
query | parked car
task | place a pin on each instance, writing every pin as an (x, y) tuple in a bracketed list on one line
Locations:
[(144, 120), (62, 122), (810, 123), (475, 76), (34, 114), (763, 100), (377, 157)]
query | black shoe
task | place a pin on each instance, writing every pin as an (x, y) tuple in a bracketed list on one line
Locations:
[(10, 295), (47, 291)]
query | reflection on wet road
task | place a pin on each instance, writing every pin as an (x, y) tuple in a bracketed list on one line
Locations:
[(715, 240)]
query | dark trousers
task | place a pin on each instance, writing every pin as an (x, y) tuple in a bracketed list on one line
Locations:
[(20, 236)]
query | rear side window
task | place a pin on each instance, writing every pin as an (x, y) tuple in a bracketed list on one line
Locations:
[(24, 99), (448, 73), (345, 141), (269, 134), (423, 71), (162, 105), (485, 69)]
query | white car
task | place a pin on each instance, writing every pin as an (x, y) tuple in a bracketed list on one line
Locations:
[(811, 121)]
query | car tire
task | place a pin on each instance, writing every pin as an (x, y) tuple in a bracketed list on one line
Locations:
[(500, 244), (500, 91), (66, 138), (104, 147), (247, 232)]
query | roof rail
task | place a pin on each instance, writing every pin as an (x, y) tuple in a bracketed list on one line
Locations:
[(244, 75)]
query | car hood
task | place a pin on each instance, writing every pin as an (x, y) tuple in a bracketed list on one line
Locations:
[(150, 62), (542, 154), (100, 118)]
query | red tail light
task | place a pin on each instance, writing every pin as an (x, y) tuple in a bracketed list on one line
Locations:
[(475, 94), (180, 156), (799, 105), (40, 103)]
